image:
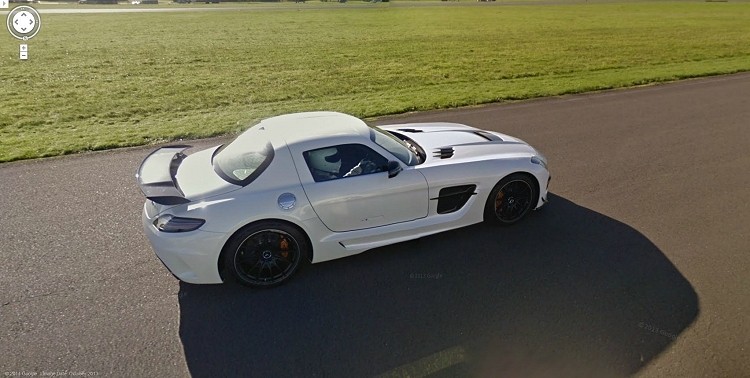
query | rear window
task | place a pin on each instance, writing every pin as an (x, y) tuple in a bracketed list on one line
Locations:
[(245, 158)]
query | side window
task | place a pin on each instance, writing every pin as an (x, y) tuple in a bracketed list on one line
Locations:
[(344, 160)]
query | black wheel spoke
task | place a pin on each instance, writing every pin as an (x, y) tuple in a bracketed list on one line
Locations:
[(248, 257), (273, 264), (258, 266)]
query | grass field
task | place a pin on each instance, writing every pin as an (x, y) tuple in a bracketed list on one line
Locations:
[(99, 81)]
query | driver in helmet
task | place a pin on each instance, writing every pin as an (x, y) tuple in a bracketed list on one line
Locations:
[(325, 164)]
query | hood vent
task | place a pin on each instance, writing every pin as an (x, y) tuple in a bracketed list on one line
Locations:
[(443, 153), (411, 130)]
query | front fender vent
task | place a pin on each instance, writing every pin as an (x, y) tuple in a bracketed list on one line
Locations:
[(453, 198), (443, 153)]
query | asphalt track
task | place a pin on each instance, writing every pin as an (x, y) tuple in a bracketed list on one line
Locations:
[(638, 266)]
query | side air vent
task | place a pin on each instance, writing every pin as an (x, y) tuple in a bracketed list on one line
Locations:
[(411, 130), (453, 198), (443, 153)]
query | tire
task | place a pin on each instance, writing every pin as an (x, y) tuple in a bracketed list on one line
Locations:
[(266, 254), (511, 199)]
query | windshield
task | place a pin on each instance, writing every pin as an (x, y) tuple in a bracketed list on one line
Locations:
[(241, 161), (393, 145)]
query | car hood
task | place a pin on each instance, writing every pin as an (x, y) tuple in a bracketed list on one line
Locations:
[(197, 179), (443, 142)]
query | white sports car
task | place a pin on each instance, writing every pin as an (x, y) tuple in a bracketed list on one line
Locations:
[(311, 187)]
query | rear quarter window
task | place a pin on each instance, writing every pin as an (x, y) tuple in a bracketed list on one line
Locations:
[(244, 159)]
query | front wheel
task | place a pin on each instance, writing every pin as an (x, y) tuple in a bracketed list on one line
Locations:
[(266, 254), (511, 199)]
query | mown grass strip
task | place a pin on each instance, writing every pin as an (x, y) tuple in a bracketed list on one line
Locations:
[(98, 81)]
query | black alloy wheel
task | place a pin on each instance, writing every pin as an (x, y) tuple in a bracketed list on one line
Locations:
[(266, 254), (511, 199)]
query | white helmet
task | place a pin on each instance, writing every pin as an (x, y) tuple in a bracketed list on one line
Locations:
[(326, 160)]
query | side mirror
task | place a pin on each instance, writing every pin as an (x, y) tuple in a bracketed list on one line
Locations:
[(394, 168)]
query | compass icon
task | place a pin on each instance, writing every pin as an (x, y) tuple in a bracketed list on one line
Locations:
[(24, 22)]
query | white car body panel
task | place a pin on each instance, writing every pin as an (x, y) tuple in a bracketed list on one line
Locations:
[(197, 178), (369, 200), (341, 217), (363, 201)]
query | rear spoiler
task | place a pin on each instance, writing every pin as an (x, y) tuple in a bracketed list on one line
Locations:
[(156, 175)]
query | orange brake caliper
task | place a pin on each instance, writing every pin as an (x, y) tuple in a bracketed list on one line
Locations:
[(499, 200), (284, 246)]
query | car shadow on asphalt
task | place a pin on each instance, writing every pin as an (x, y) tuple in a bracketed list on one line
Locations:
[(566, 292)]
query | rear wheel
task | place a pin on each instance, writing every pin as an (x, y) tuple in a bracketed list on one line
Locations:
[(266, 254), (511, 199)]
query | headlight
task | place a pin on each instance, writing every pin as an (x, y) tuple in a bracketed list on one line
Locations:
[(170, 223), (539, 159)]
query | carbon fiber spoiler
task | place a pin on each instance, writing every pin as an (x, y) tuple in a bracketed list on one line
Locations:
[(156, 175)]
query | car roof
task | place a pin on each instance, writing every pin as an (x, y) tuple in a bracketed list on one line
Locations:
[(303, 127)]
